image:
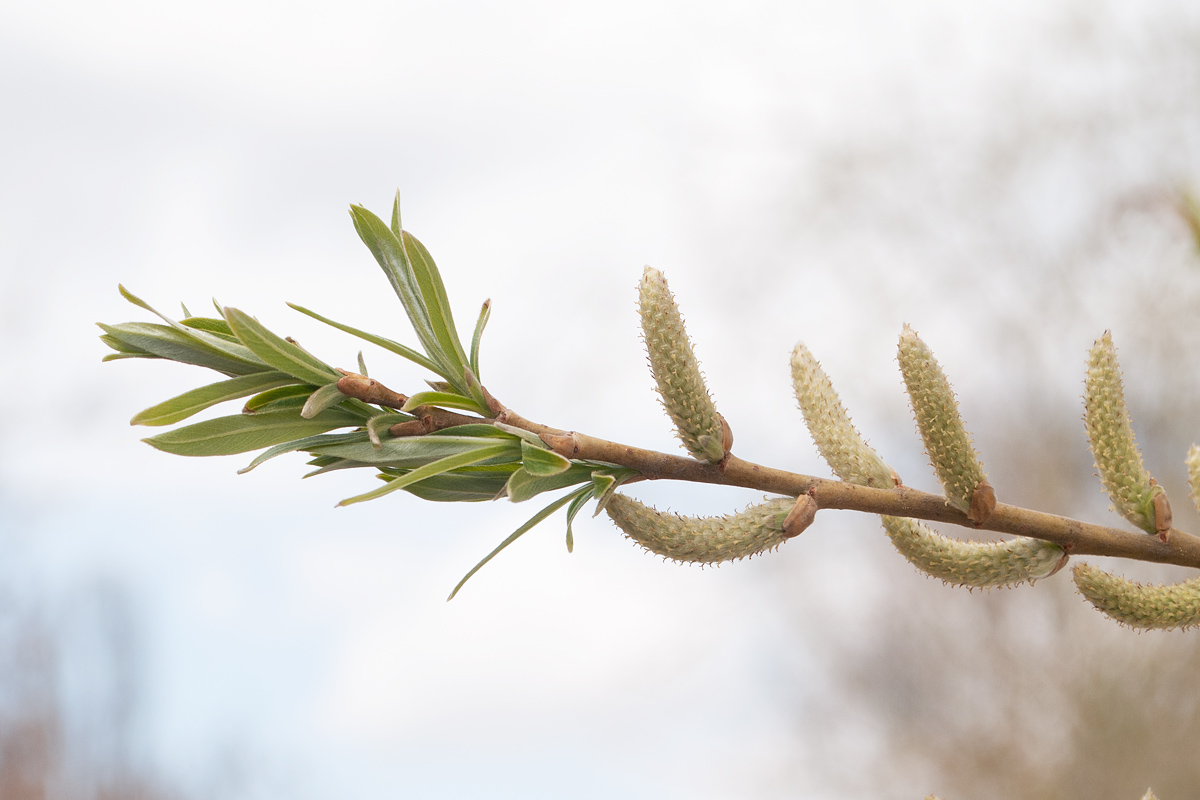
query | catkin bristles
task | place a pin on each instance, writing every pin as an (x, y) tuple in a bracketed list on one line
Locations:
[(1138, 605), (941, 426), (677, 372), (1110, 434), (703, 540), (839, 442), (974, 564)]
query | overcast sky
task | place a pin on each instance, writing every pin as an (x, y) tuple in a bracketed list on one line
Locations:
[(800, 170)]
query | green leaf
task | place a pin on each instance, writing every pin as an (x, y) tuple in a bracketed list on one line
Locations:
[(213, 343), (386, 344), (533, 521), (482, 452), (605, 481), (242, 433), (185, 405), (304, 444), (325, 397), (542, 462), (217, 327), (272, 399), (391, 255), (476, 429), (577, 504), (437, 304), (415, 451), (443, 400), (396, 227), (524, 485), (485, 314), (379, 423), (279, 353), (163, 341), (466, 485)]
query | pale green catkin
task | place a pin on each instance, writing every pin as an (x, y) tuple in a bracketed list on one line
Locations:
[(1110, 434), (702, 540), (1193, 465), (974, 564), (839, 442), (677, 372), (941, 426), (1138, 605)]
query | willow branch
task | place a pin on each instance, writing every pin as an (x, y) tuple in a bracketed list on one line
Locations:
[(1074, 536)]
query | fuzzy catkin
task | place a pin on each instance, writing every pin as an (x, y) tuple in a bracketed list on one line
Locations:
[(677, 372), (838, 441), (974, 564), (702, 540), (1110, 434), (946, 439), (1138, 605), (1193, 465)]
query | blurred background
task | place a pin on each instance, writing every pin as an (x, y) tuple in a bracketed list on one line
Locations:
[(1005, 177)]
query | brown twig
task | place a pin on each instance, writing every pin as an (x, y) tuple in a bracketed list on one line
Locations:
[(1076, 537)]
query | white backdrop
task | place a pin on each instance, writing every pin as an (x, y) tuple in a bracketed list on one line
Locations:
[(798, 170)]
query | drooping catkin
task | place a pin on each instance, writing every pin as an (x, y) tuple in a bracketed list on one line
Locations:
[(677, 372), (703, 540), (1140, 605), (974, 564)]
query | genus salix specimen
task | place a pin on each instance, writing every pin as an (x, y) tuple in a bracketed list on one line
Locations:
[(455, 442)]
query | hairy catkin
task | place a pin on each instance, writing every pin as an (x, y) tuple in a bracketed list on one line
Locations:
[(703, 540), (677, 372), (975, 564), (838, 441), (1138, 605), (946, 439), (1110, 434)]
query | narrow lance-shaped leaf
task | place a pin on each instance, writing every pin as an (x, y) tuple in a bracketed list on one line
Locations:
[(677, 372), (1118, 461), (218, 345), (482, 452), (389, 252), (306, 443), (436, 302), (523, 485), (189, 403), (440, 399), (151, 340), (415, 451), (277, 351), (242, 433), (542, 462), (485, 314), (385, 343), (533, 521), (577, 504), (325, 397), (946, 439)]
